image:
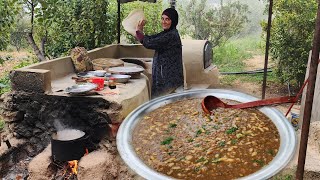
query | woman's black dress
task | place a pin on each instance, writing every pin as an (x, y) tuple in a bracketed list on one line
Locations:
[(167, 69)]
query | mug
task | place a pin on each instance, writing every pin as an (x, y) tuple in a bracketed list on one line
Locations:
[(99, 82)]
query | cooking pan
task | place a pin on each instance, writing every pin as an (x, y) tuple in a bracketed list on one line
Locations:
[(285, 129)]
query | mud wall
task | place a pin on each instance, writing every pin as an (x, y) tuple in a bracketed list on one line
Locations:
[(35, 116)]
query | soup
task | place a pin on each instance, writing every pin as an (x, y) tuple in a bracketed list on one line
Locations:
[(179, 140)]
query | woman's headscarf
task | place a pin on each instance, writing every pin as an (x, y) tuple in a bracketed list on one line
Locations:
[(173, 15)]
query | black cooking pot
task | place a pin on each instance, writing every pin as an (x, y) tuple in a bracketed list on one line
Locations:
[(67, 150)]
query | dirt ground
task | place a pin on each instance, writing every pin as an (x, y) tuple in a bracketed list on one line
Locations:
[(13, 59), (255, 89)]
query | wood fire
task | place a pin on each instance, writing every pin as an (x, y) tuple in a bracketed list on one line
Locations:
[(73, 165)]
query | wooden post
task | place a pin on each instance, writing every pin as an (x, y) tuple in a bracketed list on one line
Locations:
[(118, 25), (266, 57), (309, 98)]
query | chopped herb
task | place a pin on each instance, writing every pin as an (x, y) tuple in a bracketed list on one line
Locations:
[(200, 160), (234, 141), (168, 140), (271, 152), (225, 119), (196, 169), (172, 125), (169, 153), (170, 147), (207, 132), (198, 132), (190, 140), (231, 130), (210, 119), (221, 143), (167, 130), (260, 162), (197, 145), (216, 160), (216, 127), (203, 126)]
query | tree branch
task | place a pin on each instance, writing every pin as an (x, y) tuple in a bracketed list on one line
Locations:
[(35, 47)]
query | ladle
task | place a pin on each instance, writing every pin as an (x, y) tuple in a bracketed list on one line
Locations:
[(210, 103)]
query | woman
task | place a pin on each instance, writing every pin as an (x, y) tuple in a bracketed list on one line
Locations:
[(167, 69)]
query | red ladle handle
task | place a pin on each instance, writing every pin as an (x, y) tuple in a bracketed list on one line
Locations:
[(263, 102)]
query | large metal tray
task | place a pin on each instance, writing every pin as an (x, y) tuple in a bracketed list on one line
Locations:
[(285, 129)]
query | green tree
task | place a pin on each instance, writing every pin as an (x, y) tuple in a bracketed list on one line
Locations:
[(77, 23), (152, 13), (61, 25), (291, 37), (17, 35), (215, 23), (8, 12)]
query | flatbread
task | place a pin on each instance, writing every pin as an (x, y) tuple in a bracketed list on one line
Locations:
[(131, 21)]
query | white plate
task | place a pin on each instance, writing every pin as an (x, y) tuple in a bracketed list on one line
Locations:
[(81, 88)]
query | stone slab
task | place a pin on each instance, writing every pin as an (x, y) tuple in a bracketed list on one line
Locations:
[(31, 80)]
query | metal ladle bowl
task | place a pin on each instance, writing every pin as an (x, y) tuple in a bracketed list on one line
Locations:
[(127, 153)]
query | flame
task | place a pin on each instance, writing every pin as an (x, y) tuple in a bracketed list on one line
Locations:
[(73, 166)]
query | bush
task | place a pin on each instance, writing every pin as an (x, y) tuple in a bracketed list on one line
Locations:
[(229, 56), (291, 38), (5, 80)]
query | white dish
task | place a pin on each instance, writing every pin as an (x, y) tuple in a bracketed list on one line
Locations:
[(98, 73), (120, 78), (81, 88)]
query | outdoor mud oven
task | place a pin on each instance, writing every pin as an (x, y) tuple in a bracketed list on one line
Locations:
[(49, 99)]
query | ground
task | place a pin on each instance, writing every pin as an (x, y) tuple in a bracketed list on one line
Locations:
[(255, 89), (12, 59)]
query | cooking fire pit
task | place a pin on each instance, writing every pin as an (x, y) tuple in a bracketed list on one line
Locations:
[(128, 154)]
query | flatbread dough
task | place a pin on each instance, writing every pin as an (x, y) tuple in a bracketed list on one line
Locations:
[(131, 21)]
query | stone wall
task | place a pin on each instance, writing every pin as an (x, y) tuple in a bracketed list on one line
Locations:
[(32, 116)]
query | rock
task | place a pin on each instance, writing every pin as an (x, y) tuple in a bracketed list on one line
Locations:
[(312, 165), (98, 165), (39, 166)]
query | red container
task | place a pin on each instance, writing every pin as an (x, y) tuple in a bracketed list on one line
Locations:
[(99, 82)]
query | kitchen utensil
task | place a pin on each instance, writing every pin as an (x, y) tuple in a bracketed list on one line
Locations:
[(133, 71), (81, 88), (120, 78), (210, 103), (288, 141), (99, 82)]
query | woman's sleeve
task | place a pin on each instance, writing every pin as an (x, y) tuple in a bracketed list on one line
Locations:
[(159, 41), (139, 36)]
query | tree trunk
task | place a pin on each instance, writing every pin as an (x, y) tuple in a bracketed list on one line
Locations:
[(43, 42), (35, 47)]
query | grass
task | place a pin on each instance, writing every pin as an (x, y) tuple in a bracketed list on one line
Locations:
[(1, 124), (254, 78), (5, 80), (283, 177), (230, 57)]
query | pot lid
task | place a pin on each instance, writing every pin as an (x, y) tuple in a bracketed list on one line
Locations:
[(126, 70)]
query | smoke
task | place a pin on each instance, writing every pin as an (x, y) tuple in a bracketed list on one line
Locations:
[(59, 125)]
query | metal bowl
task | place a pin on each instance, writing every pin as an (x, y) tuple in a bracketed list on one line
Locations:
[(120, 78), (127, 153)]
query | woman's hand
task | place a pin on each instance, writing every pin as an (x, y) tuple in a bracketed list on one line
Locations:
[(140, 25)]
